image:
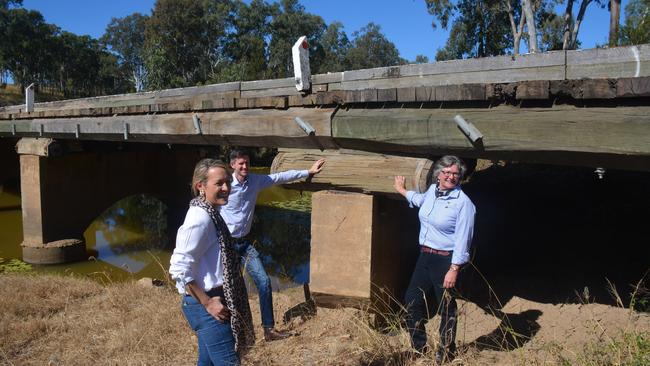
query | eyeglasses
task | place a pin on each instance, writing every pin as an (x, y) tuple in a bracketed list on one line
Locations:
[(447, 173)]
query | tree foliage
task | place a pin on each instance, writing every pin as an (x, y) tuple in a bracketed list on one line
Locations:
[(182, 43), (32, 51), (125, 38), (370, 48), (636, 29)]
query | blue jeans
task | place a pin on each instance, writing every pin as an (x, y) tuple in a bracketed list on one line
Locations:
[(216, 342), (253, 264)]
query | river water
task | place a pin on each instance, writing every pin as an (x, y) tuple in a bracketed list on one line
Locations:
[(130, 239)]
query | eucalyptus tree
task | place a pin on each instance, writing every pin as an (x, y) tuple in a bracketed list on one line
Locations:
[(286, 27), (125, 38), (245, 51), (335, 46), (370, 48), (184, 40), (636, 28)]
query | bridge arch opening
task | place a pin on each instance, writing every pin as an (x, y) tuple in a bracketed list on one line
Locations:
[(132, 234)]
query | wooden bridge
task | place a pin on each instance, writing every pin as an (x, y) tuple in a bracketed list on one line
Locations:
[(585, 108)]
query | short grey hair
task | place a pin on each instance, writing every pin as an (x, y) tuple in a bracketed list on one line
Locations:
[(447, 161)]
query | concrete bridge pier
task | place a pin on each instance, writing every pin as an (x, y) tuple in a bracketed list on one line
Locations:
[(66, 186), (363, 250)]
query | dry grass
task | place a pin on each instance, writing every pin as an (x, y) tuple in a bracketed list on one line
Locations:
[(57, 320), (73, 321)]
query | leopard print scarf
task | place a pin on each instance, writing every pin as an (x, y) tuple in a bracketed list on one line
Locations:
[(234, 288)]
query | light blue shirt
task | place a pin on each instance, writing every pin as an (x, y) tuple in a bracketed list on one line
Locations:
[(446, 222), (238, 213)]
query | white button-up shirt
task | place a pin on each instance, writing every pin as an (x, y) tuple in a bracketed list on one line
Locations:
[(238, 213), (197, 256)]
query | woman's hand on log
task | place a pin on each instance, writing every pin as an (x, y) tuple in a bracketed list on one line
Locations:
[(217, 309), (317, 167)]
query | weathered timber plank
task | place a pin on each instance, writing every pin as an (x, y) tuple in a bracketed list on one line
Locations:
[(330, 97), (633, 87), (460, 92), (386, 95), (503, 64), (256, 93), (317, 88), (598, 89), (356, 171), (361, 96), (144, 98), (268, 102), (256, 124), (330, 77), (300, 100), (425, 94), (492, 76), (537, 89), (617, 62), (251, 127), (621, 130), (268, 84), (406, 94)]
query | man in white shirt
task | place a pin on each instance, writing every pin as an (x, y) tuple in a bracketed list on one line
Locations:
[(238, 214)]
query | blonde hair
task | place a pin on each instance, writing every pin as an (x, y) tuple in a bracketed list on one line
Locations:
[(201, 172)]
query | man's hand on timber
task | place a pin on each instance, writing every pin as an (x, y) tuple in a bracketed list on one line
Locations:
[(317, 167)]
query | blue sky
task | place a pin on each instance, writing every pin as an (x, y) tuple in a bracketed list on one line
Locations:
[(405, 22)]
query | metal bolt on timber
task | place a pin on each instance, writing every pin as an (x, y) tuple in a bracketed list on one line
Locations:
[(197, 124)]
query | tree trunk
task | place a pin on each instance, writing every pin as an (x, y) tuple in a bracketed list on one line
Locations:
[(568, 16), (527, 9), (576, 27), (614, 19), (517, 31)]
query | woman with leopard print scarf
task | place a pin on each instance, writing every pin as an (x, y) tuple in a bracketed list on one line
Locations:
[(207, 271)]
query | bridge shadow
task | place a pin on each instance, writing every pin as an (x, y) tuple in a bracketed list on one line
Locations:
[(557, 235)]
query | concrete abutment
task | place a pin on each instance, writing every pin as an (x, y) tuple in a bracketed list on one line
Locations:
[(65, 187), (363, 249)]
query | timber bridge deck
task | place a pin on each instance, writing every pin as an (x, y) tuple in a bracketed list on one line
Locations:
[(587, 107)]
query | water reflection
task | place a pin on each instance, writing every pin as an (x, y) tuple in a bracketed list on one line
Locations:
[(130, 239), (124, 233)]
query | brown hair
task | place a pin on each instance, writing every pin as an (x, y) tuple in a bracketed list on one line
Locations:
[(201, 172)]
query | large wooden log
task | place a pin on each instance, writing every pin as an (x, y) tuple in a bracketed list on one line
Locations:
[(356, 171)]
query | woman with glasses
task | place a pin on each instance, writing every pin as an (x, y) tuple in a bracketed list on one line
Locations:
[(446, 226)]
